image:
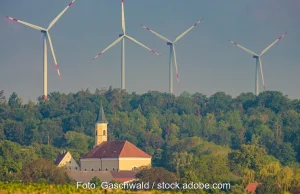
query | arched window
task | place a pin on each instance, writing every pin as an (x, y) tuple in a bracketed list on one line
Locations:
[(104, 132)]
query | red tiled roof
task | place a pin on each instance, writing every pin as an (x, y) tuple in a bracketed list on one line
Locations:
[(116, 149), (251, 187), (60, 157)]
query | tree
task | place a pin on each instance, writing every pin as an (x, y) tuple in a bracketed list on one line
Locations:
[(97, 181), (2, 97), (185, 103), (268, 187), (12, 159), (222, 135), (273, 100), (44, 171), (156, 175), (208, 169), (284, 152), (180, 161), (14, 131), (78, 141), (219, 102), (209, 125), (248, 157), (49, 131), (285, 178), (270, 171), (14, 101)]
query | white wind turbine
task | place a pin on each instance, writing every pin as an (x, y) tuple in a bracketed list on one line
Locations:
[(122, 37), (46, 37), (258, 61), (172, 52)]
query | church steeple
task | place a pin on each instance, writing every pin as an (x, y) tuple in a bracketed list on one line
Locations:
[(101, 116), (101, 127)]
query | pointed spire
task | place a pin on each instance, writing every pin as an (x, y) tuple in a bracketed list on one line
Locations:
[(101, 116)]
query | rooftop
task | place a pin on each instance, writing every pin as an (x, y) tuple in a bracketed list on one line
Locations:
[(116, 149)]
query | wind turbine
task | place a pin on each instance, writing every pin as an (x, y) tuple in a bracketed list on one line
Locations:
[(258, 61), (46, 36), (172, 52), (122, 37)]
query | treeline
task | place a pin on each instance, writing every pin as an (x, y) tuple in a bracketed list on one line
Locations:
[(209, 139)]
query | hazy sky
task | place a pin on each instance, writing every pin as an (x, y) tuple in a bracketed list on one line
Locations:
[(208, 63)]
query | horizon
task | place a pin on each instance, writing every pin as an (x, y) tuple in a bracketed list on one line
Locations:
[(23, 101), (207, 61)]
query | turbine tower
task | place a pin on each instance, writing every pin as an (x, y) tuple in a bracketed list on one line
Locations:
[(258, 61), (46, 36), (122, 37), (172, 52)]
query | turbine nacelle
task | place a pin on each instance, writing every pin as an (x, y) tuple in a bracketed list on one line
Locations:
[(46, 36), (172, 55), (122, 38), (258, 60)]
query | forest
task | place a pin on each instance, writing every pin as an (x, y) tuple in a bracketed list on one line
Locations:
[(198, 138)]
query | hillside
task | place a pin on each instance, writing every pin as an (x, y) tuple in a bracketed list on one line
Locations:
[(209, 139)]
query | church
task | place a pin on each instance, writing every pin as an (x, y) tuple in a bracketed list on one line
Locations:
[(112, 155), (108, 160)]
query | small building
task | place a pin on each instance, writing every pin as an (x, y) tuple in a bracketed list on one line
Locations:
[(120, 155), (251, 187), (65, 159)]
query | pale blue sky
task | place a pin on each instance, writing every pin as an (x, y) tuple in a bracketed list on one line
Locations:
[(208, 63)]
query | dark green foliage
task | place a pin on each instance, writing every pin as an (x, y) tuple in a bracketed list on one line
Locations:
[(178, 131), (44, 171), (268, 187), (96, 181), (156, 175)]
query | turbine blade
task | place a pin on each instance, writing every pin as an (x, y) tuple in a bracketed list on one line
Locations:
[(59, 15), (271, 45), (175, 62), (123, 17), (53, 54), (111, 45), (26, 24), (137, 42), (158, 35), (184, 33), (262, 74), (245, 49)]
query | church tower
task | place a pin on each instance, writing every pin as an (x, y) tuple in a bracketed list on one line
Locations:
[(101, 127)]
